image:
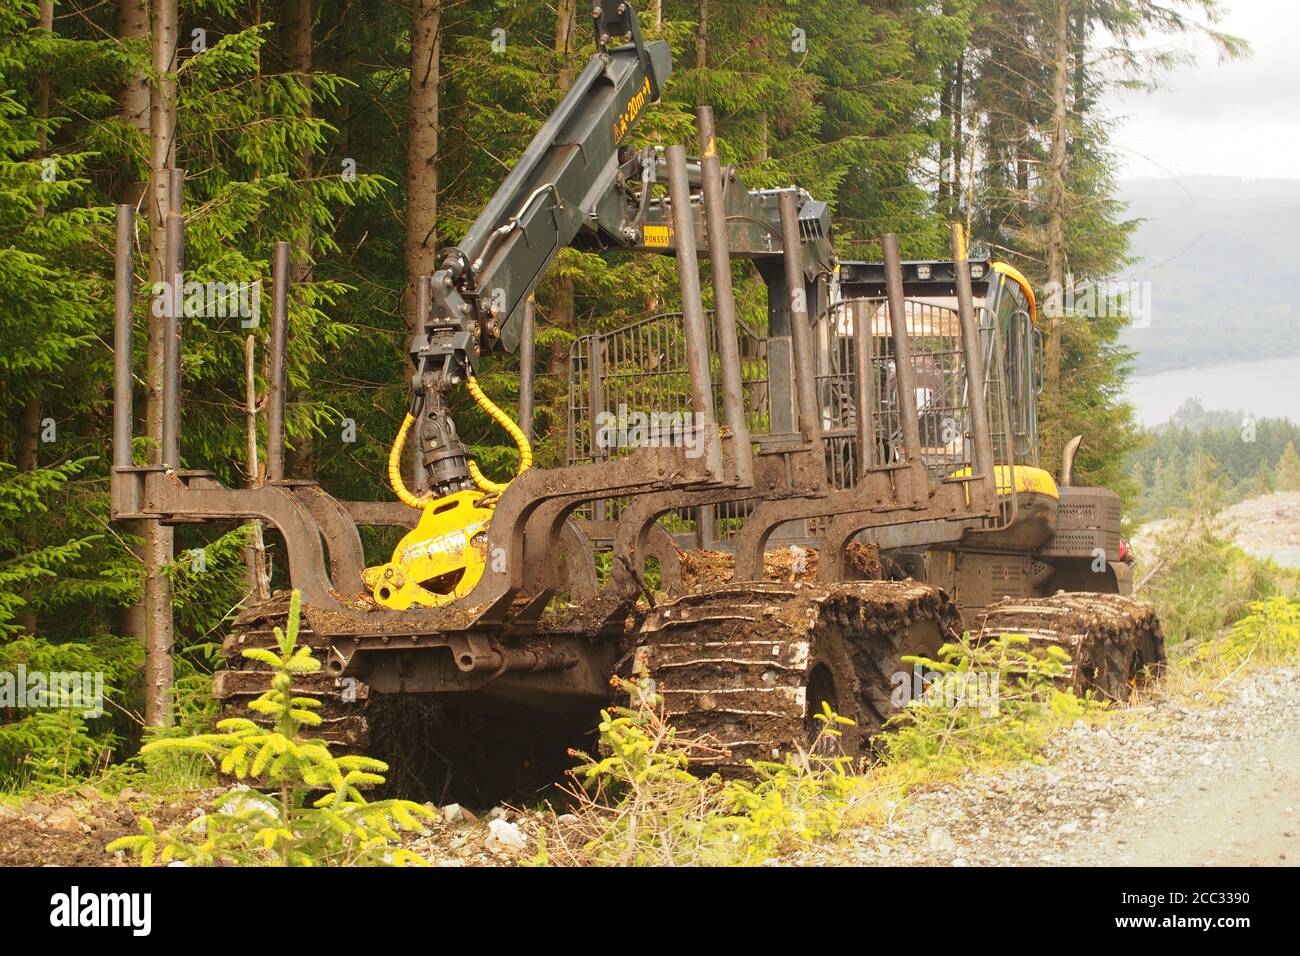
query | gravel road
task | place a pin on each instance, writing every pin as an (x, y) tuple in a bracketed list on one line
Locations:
[(1173, 782)]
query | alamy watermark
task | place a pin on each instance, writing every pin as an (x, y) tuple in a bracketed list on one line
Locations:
[(975, 690), (73, 909), (638, 429), (52, 690), (210, 300), (1102, 299)]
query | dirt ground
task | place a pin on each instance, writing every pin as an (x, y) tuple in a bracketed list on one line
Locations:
[(73, 829), (1172, 782), (1264, 525), (1270, 523)]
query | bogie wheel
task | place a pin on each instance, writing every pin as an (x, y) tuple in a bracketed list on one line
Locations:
[(1114, 642), (750, 666)]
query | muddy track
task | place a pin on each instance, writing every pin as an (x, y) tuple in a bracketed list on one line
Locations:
[(748, 666), (343, 701), (448, 747), (1114, 642), (745, 666)]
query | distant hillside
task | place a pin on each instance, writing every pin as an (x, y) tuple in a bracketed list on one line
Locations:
[(1223, 257)]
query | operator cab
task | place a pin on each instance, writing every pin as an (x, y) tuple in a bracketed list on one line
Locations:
[(1001, 295)]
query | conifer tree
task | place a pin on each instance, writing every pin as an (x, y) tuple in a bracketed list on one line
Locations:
[(1288, 469), (313, 811)]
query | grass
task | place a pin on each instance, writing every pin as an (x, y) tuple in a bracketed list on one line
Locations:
[(1224, 612), (1200, 582)]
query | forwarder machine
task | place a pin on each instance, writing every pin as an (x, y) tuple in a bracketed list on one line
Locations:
[(887, 410)]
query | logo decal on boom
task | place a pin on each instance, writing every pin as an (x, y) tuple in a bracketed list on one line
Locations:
[(623, 122)]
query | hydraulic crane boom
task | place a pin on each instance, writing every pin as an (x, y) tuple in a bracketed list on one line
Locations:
[(575, 185), (568, 181)]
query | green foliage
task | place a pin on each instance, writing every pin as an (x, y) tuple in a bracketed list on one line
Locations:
[(1269, 635), (53, 747), (206, 580), (50, 747), (800, 799), (639, 804), (990, 703), (1226, 456), (315, 813), (1199, 581), (1265, 637), (1288, 469)]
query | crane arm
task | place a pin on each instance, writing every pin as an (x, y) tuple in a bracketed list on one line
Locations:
[(577, 184), (566, 189)]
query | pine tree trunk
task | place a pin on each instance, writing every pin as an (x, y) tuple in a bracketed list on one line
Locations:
[(45, 17), (562, 310), (1022, 166), (565, 25), (256, 576), (133, 103), (31, 417), (30, 422), (301, 18), (945, 137), (421, 245), (29, 428), (561, 317), (702, 37), (159, 638), (302, 456), (133, 98), (958, 133), (1057, 205), (1024, 156), (1079, 84)]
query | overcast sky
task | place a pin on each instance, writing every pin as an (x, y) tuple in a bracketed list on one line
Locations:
[(1240, 118)]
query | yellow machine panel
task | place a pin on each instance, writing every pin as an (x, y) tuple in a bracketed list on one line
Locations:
[(1027, 479)]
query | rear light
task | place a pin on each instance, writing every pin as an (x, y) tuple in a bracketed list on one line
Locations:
[(1124, 552)]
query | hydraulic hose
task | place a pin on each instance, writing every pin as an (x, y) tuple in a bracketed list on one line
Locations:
[(484, 484), (395, 467), (504, 420)]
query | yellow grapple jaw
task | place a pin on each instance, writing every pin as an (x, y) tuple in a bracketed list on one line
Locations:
[(441, 559)]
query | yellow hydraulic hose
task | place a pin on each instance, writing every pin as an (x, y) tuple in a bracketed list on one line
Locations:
[(1015, 276), (504, 420), (395, 467), (484, 484)]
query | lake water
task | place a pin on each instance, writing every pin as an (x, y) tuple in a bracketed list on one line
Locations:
[(1286, 557), (1267, 388)]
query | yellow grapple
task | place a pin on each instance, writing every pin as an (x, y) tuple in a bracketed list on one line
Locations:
[(443, 557)]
